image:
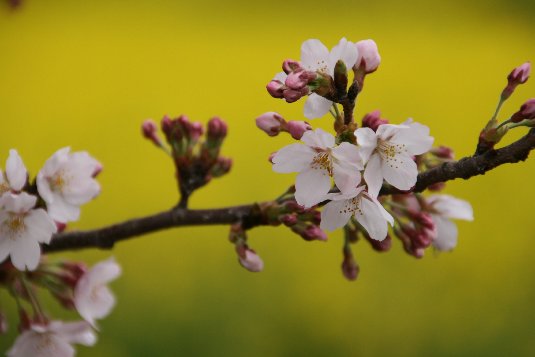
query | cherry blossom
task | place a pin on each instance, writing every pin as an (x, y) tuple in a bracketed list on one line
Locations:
[(66, 182), (389, 154), (92, 298), (15, 175), (52, 340), (22, 228), (369, 58), (316, 162), (443, 208), (250, 260), (366, 209), (315, 57)]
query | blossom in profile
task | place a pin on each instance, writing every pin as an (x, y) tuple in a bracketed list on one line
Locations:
[(15, 176), (443, 209), (92, 297), (369, 59), (66, 182), (54, 339), (22, 228), (389, 154), (366, 209), (250, 260), (317, 161)]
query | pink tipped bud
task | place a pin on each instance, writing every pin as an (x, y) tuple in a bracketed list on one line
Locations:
[(373, 120), (299, 80), (270, 123), (149, 129), (313, 232), (217, 128), (195, 130), (289, 66), (276, 89), (292, 95), (443, 152), (380, 245), (297, 128), (167, 125), (368, 59), (249, 259), (527, 111), (518, 76), (350, 268), (289, 219)]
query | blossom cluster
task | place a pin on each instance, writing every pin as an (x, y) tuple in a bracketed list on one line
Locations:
[(344, 173), (31, 211)]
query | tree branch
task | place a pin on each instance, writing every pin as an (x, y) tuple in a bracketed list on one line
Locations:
[(251, 216)]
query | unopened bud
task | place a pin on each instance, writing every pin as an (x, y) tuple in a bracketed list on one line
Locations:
[(289, 66), (518, 76), (297, 128), (221, 167), (149, 130), (195, 130), (270, 123), (380, 245), (443, 152), (527, 111), (297, 80), (276, 88), (249, 259), (373, 120), (217, 129), (340, 77), (350, 268), (289, 219), (293, 95), (313, 232), (368, 59), (167, 125)]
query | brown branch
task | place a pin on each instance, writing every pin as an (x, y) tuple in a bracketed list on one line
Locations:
[(106, 237)]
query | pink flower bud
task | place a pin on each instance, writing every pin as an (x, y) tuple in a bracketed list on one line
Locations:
[(527, 111), (270, 123), (289, 219), (195, 130), (250, 260), (289, 66), (149, 129), (373, 120), (350, 268), (292, 95), (276, 89), (380, 245), (443, 152), (518, 76), (313, 232), (167, 125), (217, 128), (368, 58), (297, 128)]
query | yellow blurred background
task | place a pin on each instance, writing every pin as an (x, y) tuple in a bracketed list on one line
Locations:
[(87, 73)]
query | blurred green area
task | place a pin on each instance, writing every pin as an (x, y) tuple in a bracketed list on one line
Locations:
[(86, 74)]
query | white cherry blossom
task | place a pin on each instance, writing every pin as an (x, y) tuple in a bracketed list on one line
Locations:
[(92, 298), (443, 208), (16, 174), (22, 228), (316, 161), (66, 182), (389, 154), (316, 57), (52, 340), (366, 209)]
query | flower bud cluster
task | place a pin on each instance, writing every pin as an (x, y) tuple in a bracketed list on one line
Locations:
[(293, 83), (273, 123), (195, 151)]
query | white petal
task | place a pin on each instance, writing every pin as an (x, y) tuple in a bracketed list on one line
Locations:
[(367, 141), (79, 332), (311, 186), (61, 211), (43, 187), (54, 163), (5, 246), (40, 226), (371, 217), (105, 271), (335, 214), (401, 173), (373, 175), (81, 191), (314, 54), (346, 167), (281, 77), (35, 344), (16, 171), (316, 106), (17, 203), (415, 138), (452, 207), (25, 253), (386, 131), (345, 51), (293, 158), (318, 139), (446, 233)]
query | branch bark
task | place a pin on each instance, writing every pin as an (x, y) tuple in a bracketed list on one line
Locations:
[(106, 237)]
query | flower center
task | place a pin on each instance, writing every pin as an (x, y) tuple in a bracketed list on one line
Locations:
[(322, 161), (4, 187), (46, 344), (58, 181), (389, 153), (352, 206), (15, 225)]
